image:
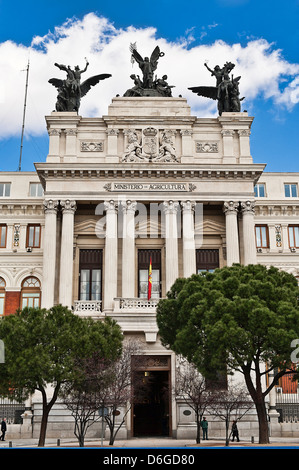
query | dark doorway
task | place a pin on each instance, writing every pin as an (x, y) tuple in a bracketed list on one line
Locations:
[(151, 403)]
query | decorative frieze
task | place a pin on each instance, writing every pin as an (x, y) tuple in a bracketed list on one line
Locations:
[(16, 234), (206, 147), (278, 237), (93, 146)]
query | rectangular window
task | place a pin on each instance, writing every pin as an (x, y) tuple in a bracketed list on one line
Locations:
[(260, 190), (293, 236), (261, 236), (207, 260), (30, 299), (36, 190), (33, 236), (4, 189), (90, 268), (290, 190), (3, 232), (144, 257)]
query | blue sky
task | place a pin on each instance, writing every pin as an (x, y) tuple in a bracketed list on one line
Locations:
[(262, 36)]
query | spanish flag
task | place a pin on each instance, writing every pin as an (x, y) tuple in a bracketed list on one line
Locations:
[(149, 289)]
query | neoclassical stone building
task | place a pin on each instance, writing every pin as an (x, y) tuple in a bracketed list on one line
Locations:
[(146, 182)]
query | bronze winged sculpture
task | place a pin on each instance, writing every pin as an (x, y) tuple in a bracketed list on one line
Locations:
[(149, 85), (226, 91), (71, 90)]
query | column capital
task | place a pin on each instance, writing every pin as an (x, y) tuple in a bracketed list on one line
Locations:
[(114, 132), (54, 132), (170, 207), (129, 206), (50, 206), (71, 131), (230, 207), (248, 207), (227, 132), (68, 206), (244, 132), (188, 206), (111, 206), (186, 132)]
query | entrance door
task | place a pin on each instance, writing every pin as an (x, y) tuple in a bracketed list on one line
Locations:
[(151, 408)]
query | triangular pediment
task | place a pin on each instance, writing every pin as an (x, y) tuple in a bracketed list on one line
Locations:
[(209, 226), (88, 227)]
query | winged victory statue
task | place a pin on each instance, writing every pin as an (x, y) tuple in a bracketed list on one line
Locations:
[(71, 90), (226, 91), (148, 85)]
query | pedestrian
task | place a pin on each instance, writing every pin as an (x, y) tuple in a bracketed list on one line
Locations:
[(235, 431), (204, 426), (3, 429)]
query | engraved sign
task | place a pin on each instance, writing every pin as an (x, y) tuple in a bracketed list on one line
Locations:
[(163, 187)]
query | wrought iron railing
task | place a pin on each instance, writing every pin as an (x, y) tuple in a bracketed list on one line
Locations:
[(11, 410)]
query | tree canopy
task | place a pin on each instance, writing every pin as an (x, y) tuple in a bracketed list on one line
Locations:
[(41, 347), (239, 318)]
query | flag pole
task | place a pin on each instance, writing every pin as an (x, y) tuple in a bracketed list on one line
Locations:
[(24, 114), (149, 289)]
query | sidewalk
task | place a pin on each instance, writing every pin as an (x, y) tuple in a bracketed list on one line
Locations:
[(150, 443)]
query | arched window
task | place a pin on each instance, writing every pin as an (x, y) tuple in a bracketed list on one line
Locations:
[(2, 295), (30, 296)]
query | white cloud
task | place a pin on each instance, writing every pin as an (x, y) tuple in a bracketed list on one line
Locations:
[(263, 69)]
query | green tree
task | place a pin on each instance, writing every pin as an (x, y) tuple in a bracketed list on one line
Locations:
[(41, 347), (239, 318)]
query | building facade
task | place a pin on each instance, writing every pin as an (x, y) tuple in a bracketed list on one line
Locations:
[(148, 183)]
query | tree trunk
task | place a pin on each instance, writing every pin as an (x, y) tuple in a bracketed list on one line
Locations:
[(263, 422), (259, 401), (198, 429), (43, 427), (46, 410)]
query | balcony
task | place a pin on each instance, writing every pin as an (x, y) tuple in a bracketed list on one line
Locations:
[(135, 304), (88, 308)]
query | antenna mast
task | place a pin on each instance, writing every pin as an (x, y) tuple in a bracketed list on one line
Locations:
[(24, 114)]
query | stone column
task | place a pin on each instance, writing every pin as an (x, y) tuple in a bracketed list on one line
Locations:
[(228, 146), (128, 249), (232, 236), (54, 145), (285, 238), (112, 156), (247, 209), (187, 146), (245, 156), (49, 253), (70, 145), (171, 236), (66, 255), (110, 273), (189, 258)]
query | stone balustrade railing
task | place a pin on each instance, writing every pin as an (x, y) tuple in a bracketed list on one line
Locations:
[(88, 307)]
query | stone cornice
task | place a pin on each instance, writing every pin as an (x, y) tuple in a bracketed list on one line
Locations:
[(53, 171)]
